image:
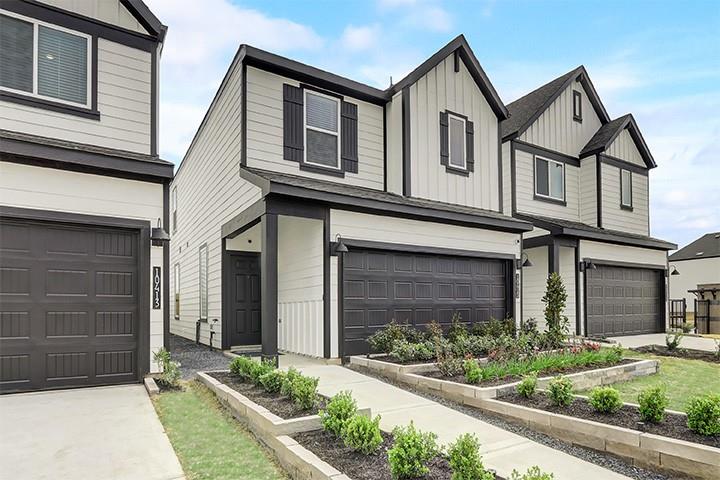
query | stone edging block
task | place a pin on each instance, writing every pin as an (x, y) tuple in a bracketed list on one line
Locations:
[(151, 386)]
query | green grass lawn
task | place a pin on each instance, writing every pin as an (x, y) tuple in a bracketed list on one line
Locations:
[(682, 378), (209, 442)]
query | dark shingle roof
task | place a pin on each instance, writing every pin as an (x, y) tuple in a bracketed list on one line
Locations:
[(604, 135), (525, 109), (707, 246)]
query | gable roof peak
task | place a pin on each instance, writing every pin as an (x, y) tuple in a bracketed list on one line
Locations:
[(607, 134)]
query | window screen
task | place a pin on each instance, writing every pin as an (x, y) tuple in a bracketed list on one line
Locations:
[(541, 177), (557, 185), (322, 148), (203, 270), (626, 188), (16, 54), (549, 179), (62, 65), (321, 121), (457, 141)]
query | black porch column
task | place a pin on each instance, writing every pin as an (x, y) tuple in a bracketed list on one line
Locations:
[(553, 256), (269, 286)]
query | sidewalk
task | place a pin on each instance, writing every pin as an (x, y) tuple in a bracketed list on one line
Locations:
[(688, 341), (502, 450)]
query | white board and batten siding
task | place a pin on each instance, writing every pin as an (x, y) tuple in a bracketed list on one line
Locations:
[(124, 85), (265, 133), (210, 192), (108, 11), (624, 148), (556, 129), (27, 186), (393, 115), (616, 218), (440, 89)]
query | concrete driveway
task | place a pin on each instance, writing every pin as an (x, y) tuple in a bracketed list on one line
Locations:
[(88, 433), (696, 343)]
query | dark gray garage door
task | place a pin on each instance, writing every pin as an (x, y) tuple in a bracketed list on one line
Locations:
[(624, 301), (379, 286), (68, 305)]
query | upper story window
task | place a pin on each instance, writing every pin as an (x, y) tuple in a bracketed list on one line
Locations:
[(577, 106), (44, 61), (456, 143), (549, 179), (456, 127), (322, 130), (174, 203), (626, 189)]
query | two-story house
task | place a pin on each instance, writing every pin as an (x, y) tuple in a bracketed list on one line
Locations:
[(581, 179), (82, 194), (310, 210)]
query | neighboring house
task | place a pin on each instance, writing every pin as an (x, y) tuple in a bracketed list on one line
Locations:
[(695, 264), (81, 192), (293, 166), (581, 178)]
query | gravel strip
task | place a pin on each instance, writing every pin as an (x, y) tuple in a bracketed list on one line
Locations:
[(604, 460), (194, 358)]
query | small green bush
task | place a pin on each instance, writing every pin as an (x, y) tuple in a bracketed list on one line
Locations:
[(653, 401), (241, 367), (362, 434), (338, 411), (605, 399), (272, 381), (473, 372), (533, 473), (528, 385), (494, 328), (170, 370), (411, 452), (258, 369), (672, 341), (457, 329), (560, 391), (304, 391), (384, 339), (703, 414), (290, 376), (404, 351), (465, 460), (473, 345)]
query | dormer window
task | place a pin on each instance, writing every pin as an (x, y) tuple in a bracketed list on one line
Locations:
[(549, 180), (44, 61), (322, 130), (577, 106)]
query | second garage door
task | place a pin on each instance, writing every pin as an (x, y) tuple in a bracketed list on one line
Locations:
[(379, 286), (624, 301)]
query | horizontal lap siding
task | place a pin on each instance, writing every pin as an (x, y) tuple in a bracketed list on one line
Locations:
[(588, 187), (615, 218), (265, 133), (210, 193), (567, 272), (621, 253), (525, 184), (533, 285), (124, 85), (300, 285), (440, 89)]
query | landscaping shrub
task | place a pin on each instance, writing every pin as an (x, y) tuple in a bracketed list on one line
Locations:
[(384, 339), (170, 371), (533, 473), (258, 369), (527, 386), (703, 414), (448, 363), (411, 452), (605, 399), (272, 381), (555, 299), (434, 331), (303, 391), (473, 372), (241, 367), (560, 391), (494, 328), (653, 401), (404, 351), (363, 434), (672, 341), (465, 460), (473, 345), (457, 329), (529, 327), (338, 411)]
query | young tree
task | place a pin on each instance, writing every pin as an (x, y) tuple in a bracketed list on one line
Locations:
[(555, 299)]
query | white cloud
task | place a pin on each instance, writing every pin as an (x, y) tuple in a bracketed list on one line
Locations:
[(360, 38), (419, 14)]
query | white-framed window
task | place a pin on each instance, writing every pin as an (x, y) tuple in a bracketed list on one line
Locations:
[(173, 201), (176, 289), (456, 141), (577, 106), (626, 188), (549, 179), (322, 129), (45, 61), (203, 272)]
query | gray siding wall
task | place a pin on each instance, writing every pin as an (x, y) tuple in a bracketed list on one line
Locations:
[(124, 84), (588, 191), (108, 11), (557, 130), (623, 147), (525, 184), (393, 112), (507, 179), (265, 133), (615, 218), (210, 193), (442, 88)]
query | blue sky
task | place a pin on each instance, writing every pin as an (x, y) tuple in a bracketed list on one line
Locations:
[(657, 60)]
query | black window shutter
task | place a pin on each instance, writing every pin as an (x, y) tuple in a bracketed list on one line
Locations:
[(470, 148), (349, 137), (444, 136), (292, 123)]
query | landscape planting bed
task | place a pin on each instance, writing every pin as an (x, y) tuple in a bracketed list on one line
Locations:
[(679, 352)]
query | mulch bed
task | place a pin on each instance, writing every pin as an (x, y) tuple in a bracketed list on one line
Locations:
[(514, 378), (673, 426), (363, 467), (281, 406), (687, 353)]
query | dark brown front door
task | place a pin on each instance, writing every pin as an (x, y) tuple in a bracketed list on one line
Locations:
[(244, 307), (68, 305), (381, 286)]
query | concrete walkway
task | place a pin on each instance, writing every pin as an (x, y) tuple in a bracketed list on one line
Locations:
[(502, 450), (87, 433), (634, 341)]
